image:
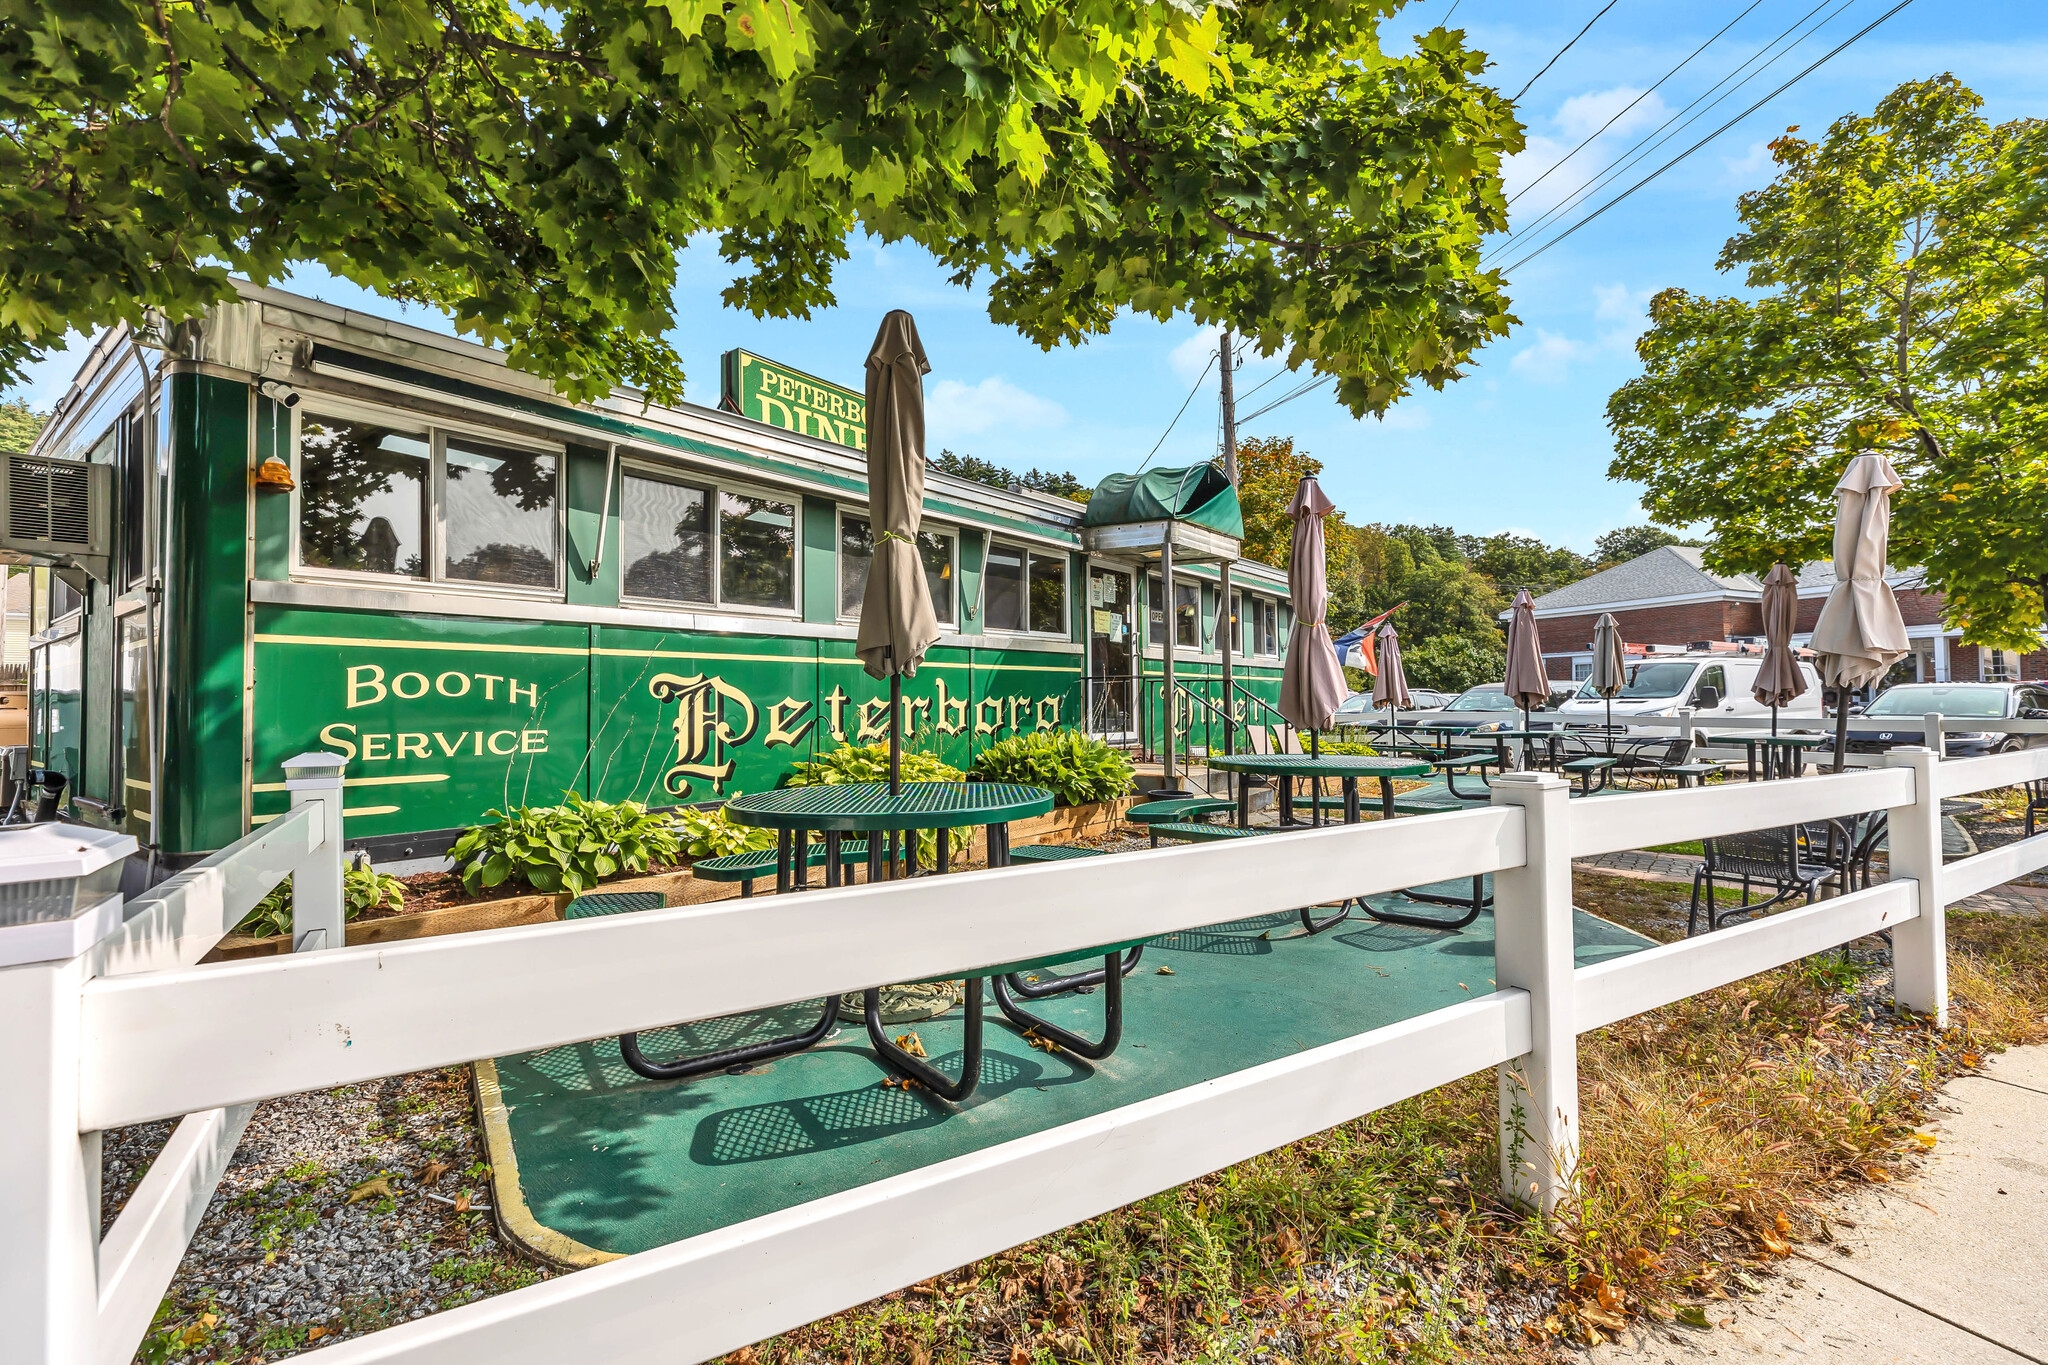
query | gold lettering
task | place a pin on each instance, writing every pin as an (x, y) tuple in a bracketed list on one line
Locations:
[(1051, 722), (702, 728), (398, 687), (533, 741), (835, 714), (412, 746), (916, 711), (986, 707), (509, 734), (1018, 704), (373, 747), (361, 678), (441, 684), (947, 724), (532, 692), (487, 679), (448, 750), (767, 404), (331, 736), (782, 716), (874, 721)]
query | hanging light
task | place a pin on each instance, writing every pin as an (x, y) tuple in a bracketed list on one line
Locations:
[(275, 476)]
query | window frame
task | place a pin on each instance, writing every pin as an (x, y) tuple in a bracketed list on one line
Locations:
[(132, 460), (641, 466), (435, 550), (861, 512), (1028, 551)]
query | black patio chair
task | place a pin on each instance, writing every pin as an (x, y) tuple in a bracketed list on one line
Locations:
[(2037, 800), (1846, 847), (1767, 857)]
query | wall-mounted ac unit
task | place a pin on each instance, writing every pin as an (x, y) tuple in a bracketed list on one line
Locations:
[(57, 512)]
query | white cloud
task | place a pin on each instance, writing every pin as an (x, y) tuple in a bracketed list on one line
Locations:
[(1625, 310), (1753, 167), (1193, 355), (1583, 115), (1548, 358), (955, 409), (1577, 119)]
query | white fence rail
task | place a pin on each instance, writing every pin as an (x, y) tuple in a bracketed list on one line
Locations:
[(138, 1030)]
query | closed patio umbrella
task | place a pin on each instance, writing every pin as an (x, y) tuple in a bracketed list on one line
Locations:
[(1610, 668), (1390, 685), (897, 622), (1778, 679), (1312, 681), (1527, 684), (1860, 632)]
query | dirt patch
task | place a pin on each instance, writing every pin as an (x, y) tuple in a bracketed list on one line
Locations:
[(445, 891)]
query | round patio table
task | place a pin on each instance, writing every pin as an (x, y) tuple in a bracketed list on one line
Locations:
[(1346, 767), (836, 810), (1784, 755), (1553, 742)]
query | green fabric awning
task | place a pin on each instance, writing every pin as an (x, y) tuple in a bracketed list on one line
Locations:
[(1198, 494)]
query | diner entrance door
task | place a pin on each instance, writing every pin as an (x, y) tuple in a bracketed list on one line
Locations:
[(1112, 655)]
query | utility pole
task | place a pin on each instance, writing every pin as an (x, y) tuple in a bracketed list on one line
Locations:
[(1225, 609)]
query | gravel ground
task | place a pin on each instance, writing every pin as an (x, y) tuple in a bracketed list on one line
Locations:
[(343, 1211)]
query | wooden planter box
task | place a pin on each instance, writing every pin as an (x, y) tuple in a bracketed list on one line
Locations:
[(677, 887)]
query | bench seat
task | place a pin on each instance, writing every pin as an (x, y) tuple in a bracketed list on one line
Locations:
[(1176, 810), (1053, 853), (1199, 834), (748, 867)]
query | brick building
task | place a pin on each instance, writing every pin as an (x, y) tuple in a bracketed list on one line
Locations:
[(1669, 597)]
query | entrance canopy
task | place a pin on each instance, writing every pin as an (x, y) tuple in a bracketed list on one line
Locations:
[(1195, 509)]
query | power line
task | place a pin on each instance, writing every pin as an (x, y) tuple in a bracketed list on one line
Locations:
[(1561, 51), (1845, 43), (1177, 416), (1309, 387), (1657, 137), (1634, 102)]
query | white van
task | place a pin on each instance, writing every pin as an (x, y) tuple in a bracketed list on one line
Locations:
[(1712, 684)]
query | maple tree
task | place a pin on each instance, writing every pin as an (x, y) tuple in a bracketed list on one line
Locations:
[(535, 169), (1899, 269)]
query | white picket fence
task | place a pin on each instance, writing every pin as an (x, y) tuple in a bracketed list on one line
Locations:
[(138, 1031)]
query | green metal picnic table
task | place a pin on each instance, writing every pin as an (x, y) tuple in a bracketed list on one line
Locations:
[(869, 808), (1348, 768), (1784, 755)]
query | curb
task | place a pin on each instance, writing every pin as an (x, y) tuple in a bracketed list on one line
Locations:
[(515, 1220)]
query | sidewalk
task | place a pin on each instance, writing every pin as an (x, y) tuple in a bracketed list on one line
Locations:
[(1947, 1268)]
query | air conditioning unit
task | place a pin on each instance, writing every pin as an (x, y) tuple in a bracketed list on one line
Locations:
[(58, 513)]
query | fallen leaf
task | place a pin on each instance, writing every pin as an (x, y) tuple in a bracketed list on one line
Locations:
[(192, 1335), (433, 1171), (745, 1355), (1288, 1242), (1776, 1246), (911, 1044), (1166, 971), (1020, 1355), (1877, 1175), (919, 1355), (1925, 1140), (1012, 1290), (1600, 1317), (376, 1187), (1784, 1224), (1611, 1297), (1970, 1059), (315, 1333), (462, 1202), (1692, 1315)]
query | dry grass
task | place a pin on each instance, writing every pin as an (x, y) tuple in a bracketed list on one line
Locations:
[(1715, 1129)]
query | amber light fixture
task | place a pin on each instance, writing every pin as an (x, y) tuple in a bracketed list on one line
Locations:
[(275, 475)]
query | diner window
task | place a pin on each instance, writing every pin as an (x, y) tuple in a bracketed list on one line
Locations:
[(498, 510), (857, 552), (131, 718), (708, 546), (134, 500), (1269, 627), (1187, 615), (373, 492), (50, 600), (1025, 590)]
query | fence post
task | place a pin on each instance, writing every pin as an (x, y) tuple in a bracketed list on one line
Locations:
[(319, 918), (1913, 840), (1931, 724), (1532, 923)]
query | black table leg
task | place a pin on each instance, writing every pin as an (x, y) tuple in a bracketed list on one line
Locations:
[(1286, 798), (1386, 798), (910, 852), (876, 844), (1350, 800), (834, 876), (800, 859), (999, 845), (1244, 804), (782, 846), (945, 855), (926, 1075)]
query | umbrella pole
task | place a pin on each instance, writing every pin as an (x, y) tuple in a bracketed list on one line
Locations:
[(1841, 728), (895, 734), (1528, 754), (1610, 727)]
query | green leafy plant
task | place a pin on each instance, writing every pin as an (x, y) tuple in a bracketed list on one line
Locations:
[(713, 834), (1076, 768), (363, 889), (570, 847), (870, 763)]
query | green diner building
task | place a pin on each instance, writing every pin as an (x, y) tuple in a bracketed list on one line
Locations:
[(334, 531)]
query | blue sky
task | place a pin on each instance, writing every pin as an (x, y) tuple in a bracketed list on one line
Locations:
[(1520, 443)]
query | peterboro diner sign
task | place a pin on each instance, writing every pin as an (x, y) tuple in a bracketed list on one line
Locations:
[(795, 401)]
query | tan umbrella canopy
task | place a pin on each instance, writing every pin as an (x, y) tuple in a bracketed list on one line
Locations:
[(1860, 633), (1778, 679), (897, 622), (1312, 682), (1390, 683), (1610, 666)]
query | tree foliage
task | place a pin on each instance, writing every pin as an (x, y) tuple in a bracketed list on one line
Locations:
[(993, 475), (536, 169), (1900, 270), (1511, 561), (1624, 543), (20, 424)]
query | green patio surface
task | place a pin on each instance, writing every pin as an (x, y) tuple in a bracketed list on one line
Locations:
[(623, 1164)]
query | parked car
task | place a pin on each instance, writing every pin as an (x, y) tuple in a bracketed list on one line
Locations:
[(1486, 708), (1358, 708), (1905, 705), (1713, 685)]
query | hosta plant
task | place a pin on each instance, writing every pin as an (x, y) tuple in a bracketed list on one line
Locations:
[(870, 763), (363, 889), (711, 833), (570, 847), (1075, 768)]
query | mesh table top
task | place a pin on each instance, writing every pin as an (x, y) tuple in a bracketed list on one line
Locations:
[(854, 806), (1764, 737), (1322, 765)]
